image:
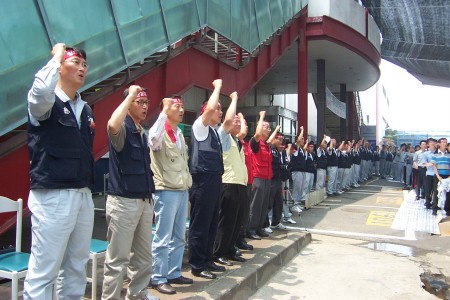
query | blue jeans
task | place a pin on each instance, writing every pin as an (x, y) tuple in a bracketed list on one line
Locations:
[(170, 212)]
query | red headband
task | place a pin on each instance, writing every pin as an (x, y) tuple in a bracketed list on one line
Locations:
[(71, 53), (206, 104), (141, 94)]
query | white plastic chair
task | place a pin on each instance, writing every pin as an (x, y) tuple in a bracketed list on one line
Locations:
[(14, 265), (98, 250)]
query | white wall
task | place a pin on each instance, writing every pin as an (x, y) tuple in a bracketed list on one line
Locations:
[(348, 12)]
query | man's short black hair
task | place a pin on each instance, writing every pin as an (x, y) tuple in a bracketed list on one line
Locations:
[(78, 51)]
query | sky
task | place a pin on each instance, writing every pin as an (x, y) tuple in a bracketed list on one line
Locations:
[(412, 105)]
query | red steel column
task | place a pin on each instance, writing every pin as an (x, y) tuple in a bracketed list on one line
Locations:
[(302, 114)]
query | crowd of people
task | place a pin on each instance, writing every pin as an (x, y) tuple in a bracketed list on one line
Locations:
[(238, 187)]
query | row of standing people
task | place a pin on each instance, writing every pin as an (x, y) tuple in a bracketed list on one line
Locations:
[(148, 174), (432, 164)]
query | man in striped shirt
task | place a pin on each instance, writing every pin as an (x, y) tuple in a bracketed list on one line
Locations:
[(441, 162)]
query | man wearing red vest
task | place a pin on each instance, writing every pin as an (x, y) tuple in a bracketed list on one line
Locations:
[(262, 175)]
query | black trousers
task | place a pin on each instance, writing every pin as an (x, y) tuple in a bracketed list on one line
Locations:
[(430, 188), (231, 218), (204, 196), (420, 187), (245, 207), (275, 203)]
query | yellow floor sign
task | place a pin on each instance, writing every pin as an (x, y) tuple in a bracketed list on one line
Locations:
[(389, 200), (380, 218)]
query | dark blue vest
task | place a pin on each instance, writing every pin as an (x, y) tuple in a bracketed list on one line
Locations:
[(357, 157), (276, 163), (60, 151), (332, 160), (206, 156), (322, 160), (310, 167), (130, 175), (298, 162)]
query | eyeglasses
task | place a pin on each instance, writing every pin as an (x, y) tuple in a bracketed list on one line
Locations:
[(141, 102), (77, 63)]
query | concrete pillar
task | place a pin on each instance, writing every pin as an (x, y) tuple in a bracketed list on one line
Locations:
[(302, 80), (320, 99), (350, 114), (343, 122)]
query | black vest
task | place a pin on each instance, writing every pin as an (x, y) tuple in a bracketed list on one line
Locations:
[(130, 175), (60, 151), (206, 156), (322, 160), (310, 167), (332, 159), (342, 160), (298, 162), (276, 163), (357, 157)]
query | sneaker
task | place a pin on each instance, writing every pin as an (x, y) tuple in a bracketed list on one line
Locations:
[(339, 192), (356, 185), (267, 230), (296, 209), (279, 227), (289, 220)]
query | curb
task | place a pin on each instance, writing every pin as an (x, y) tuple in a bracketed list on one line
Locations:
[(243, 282)]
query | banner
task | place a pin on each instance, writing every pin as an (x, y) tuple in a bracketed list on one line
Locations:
[(335, 105)]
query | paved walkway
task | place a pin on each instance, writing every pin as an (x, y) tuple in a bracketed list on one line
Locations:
[(413, 216)]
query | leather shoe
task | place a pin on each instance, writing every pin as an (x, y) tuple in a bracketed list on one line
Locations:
[(236, 258), (164, 288), (262, 234), (181, 280), (223, 261), (215, 268), (253, 236), (244, 246), (204, 274)]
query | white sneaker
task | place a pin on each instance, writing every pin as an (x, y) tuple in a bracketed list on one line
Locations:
[(268, 230), (296, 209), (279, 227), (356, 185), (340, 192), (287, 216), (289, 220)]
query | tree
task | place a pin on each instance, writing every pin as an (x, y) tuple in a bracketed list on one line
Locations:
[(390, 136)]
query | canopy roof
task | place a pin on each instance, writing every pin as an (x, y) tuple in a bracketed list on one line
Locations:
[(416, 36)]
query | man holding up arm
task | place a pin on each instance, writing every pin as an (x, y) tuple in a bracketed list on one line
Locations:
[(206, 169), (262, 175), (60, 137), (172, 180), (129, 211)]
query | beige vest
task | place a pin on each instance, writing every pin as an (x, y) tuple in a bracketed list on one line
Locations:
[(170, 166), (234, 165)]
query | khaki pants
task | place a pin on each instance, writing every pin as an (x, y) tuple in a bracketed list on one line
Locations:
[(130, 246)]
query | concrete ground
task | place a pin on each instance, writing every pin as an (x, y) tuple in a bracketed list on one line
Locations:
[(340, 268), (372, 242)]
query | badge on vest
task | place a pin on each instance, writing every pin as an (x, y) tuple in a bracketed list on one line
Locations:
[(91, 122)]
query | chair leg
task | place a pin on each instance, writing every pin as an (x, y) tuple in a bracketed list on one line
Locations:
[(94, 278), (14, 287)]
